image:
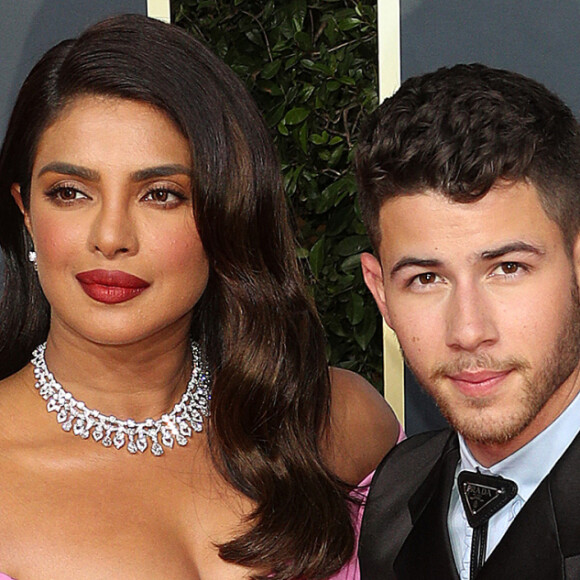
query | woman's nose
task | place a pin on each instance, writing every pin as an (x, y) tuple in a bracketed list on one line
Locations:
[(113, 231)]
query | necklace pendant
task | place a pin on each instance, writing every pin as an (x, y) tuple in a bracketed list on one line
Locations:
[(119, 440), (78, 426), (98, 433), (141, 443), (131, 446), (156, 449), (166, 438)]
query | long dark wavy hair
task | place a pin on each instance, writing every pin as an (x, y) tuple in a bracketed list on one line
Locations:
[(271, 392)]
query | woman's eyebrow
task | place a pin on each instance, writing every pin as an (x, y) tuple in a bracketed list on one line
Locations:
[(70, 169), (161, 171), (92, 175)]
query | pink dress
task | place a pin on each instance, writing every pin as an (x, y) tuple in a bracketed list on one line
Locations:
[(351, 570)]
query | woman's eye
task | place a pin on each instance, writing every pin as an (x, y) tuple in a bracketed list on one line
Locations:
[(66, 194), (163, 196)]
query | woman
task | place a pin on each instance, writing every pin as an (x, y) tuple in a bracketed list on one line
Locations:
[(180, 421)]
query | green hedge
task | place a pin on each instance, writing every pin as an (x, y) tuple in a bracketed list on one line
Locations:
[(312, 68)]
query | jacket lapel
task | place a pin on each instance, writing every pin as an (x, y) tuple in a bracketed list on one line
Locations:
[(544, 539), (427, 551), (529, 549)]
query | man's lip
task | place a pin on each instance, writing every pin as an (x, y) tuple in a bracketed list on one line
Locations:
[(480, 383), (476, 377), (113, 278)]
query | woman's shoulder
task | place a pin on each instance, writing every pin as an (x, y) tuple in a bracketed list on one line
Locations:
[(363, 428)]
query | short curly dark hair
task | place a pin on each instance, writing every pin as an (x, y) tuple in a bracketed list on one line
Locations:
[(458, 131)]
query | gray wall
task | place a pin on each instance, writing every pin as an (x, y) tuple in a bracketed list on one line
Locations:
[(28, 28), (538, 38)]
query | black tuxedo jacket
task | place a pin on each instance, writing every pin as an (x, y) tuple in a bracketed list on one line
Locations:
[(404, 531)]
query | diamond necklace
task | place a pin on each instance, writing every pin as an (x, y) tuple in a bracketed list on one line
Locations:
[(176, 426)]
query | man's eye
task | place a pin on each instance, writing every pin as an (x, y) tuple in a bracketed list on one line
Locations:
[(427, 278), (510, 267)]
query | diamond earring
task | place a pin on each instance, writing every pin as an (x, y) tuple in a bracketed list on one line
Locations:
[(32, 258)]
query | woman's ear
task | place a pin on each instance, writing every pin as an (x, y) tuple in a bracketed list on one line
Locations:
[(373, 276), (17, 196)]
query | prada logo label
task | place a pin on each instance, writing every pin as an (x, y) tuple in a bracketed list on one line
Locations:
[(483, 495)]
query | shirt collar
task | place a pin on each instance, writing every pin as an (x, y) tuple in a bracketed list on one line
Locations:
[(530, 464)]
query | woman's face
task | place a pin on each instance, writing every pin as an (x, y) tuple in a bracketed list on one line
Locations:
[(119, 255)]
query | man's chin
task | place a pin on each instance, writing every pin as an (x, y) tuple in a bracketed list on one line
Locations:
[(488, 426)]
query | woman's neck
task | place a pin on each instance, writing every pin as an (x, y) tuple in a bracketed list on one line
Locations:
[(138, 380)]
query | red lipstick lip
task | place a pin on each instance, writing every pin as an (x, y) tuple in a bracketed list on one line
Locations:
[(111, 286), (111, 278), (478, 383)]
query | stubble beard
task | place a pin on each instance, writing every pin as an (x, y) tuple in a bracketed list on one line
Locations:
[(477, 419)]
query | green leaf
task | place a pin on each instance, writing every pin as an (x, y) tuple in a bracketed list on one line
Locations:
[(271, 69), (306, 92), (319, 139), (355, 309), (296, 115), (302, 253), (365, 330), (352, 263), (347, 81), (276, 115), (298, 10), (316, 258), (352, 245), (335, 156), (303, 137), (303, 41)]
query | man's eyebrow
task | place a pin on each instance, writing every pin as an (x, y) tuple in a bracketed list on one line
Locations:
[(407, 261), (70, 169), (510, 248)]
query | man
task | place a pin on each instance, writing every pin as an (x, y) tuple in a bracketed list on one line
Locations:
[(469, 183)]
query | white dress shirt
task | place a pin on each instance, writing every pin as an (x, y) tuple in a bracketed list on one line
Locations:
[(528, 466)]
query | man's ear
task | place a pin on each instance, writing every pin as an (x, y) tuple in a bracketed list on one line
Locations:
[(17, 196), (576, 258), (373, 275)]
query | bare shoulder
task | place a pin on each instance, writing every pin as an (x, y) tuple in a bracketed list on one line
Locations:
[(363, 428)]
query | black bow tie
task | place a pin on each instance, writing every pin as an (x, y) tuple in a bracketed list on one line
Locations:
[(482, 496)]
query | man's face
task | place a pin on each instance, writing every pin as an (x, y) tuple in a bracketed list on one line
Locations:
[(484, 300)]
